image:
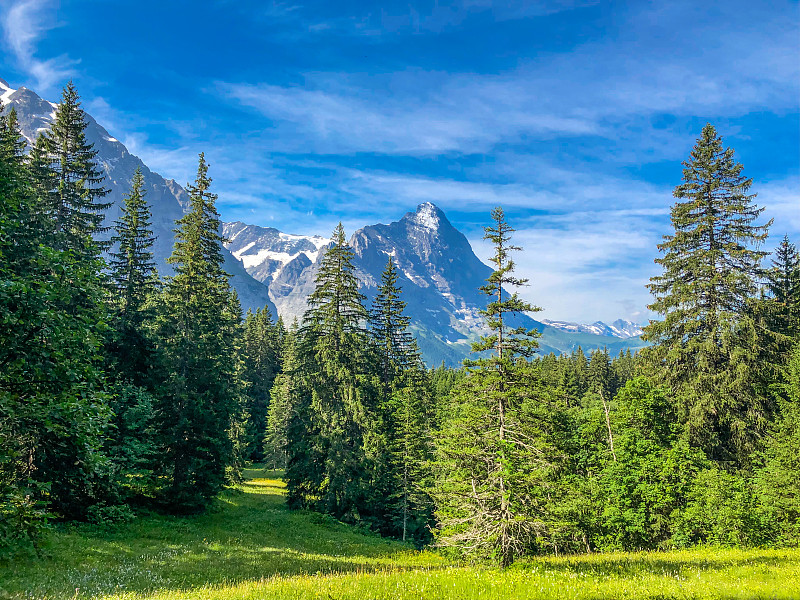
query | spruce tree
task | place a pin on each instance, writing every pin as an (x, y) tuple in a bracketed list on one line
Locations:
[(197, 329), (69, 180), (134, 280), (284, 400), (332, 460), (783, 287), (261, 354), (51, 325), (706, 346), (407, 414), (486, 455), (389, 327)]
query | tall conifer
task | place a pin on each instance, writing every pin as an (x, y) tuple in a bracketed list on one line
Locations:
[(333, 467), (69, 180), (706, 346), (198, 329), (134, 279), (484, 489)]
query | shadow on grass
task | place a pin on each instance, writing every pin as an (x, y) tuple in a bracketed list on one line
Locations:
[(250, 536)]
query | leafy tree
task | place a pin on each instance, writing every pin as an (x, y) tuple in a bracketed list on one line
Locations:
[(197, 328), (705, 348), (487, 461)]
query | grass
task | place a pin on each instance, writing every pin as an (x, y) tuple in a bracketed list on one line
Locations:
[(253, 547)]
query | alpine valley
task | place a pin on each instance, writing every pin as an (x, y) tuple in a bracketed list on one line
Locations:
[(439, 272)]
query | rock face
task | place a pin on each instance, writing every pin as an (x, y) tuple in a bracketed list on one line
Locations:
[(438, 271), (168, 200)]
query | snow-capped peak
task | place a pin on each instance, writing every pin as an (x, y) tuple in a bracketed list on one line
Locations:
[(427, 216), (620, 328), (5, 91)]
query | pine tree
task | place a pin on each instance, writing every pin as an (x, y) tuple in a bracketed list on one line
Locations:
[(261, 354), (487, 456), (68, 179), (332, 460), (51, 325), (705, 347), (134, 280), (783, 287), (197, 327)]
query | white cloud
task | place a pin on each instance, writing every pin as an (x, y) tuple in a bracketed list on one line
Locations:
[(24, 22)]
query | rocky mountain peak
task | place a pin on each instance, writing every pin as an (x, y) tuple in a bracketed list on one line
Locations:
[(428, 216)]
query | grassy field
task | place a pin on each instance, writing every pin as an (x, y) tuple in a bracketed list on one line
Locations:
[(252, 547)]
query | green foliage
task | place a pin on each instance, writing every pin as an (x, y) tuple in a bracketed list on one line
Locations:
[(492, 462), (721, 511), (778, 478), (705, 349), (53, 413), (132, 442), (261, 354), (68, 180), (335, 428), (134, 282), (198, 327)]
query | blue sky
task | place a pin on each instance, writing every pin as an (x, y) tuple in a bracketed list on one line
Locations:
[(573, 115)]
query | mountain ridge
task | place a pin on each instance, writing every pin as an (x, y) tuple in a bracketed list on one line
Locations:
[(438, 269), (168, 199)]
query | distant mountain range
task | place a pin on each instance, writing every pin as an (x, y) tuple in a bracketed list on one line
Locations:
[(620, 328), (439, 272)]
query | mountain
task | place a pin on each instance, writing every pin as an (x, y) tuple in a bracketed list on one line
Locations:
[(620, 328), (438, 271), (169, 201)]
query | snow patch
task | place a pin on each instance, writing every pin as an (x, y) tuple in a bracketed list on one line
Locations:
[(6, 93), (426, 216)]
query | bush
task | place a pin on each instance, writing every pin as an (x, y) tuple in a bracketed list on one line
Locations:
[(721, 510)]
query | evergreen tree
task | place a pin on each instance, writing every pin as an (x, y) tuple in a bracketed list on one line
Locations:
[(198, 328), (407, 415), (389, 326), (705, 348), (69, 180), (285, 396), (332, 460), (487, 458), (51, 324), (261, 354), (783, 287), (134, 280)]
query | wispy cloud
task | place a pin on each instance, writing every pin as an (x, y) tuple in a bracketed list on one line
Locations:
[(24, 23), (336, 118)]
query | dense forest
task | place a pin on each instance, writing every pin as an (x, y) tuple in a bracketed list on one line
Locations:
[(123, 391)]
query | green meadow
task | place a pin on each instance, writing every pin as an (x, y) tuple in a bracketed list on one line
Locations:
[(251, 546)]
